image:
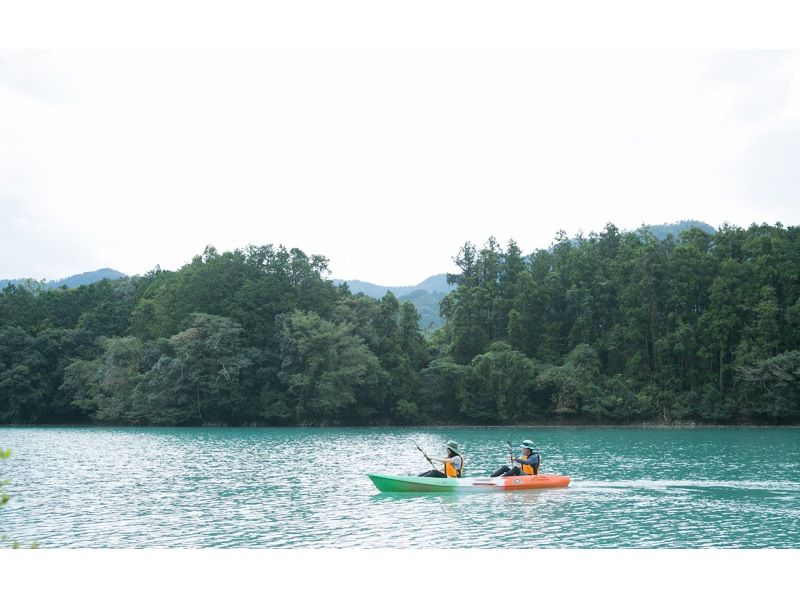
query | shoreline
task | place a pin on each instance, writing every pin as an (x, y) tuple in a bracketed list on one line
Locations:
[(680, 426)]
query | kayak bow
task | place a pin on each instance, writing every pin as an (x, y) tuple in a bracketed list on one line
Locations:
[(406, 483)]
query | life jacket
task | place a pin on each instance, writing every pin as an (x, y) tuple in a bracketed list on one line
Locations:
[(451, 471), (530, 469)]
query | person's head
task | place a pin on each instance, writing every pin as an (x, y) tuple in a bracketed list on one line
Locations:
[(527, 447), (452, 449)]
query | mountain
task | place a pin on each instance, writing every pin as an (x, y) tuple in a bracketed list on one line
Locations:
[(662, 231), (425, 296), (427, 305), (71, 282), (436, 284)]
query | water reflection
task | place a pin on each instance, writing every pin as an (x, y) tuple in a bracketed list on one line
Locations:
[(446, 498), (274, 488)]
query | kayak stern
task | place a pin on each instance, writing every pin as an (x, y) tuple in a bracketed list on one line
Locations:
[(402, 483)]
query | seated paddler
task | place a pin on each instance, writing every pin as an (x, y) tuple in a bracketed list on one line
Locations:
[(453, 463), (526, 464)]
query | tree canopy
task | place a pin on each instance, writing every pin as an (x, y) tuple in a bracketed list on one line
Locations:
[(610, 327)]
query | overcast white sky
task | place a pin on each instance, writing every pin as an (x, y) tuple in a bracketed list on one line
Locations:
[(384, 162)]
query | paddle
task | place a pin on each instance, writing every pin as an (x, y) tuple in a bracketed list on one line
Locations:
[(426, 456), (510, 452)]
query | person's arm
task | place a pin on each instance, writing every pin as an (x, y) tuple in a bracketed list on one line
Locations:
[(531, 460)]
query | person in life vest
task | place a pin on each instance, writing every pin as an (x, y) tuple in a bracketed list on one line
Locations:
[(453, 464), (528, 463)]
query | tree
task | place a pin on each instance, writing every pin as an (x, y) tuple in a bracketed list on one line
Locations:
[(323, 366), (4, 454), (574, 385), (774, 387), (4, 498), (500, 381), (444, 394), (198, 379)]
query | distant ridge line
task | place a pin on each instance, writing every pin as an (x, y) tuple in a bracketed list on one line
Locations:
[(71, 282)]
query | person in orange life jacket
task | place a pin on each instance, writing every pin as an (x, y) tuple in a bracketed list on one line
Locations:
[(528, 462), (453, 464)]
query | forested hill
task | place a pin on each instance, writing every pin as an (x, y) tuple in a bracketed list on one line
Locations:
[(426, 295), (70, 281), (613, 327), (661, 231)]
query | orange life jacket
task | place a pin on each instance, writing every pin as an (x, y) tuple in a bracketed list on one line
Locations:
[(451, 471), (528, 469)]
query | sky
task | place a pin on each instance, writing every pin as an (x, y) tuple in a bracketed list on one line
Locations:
[(384, 162)]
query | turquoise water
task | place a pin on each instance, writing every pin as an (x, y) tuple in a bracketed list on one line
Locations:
[(285, 488)]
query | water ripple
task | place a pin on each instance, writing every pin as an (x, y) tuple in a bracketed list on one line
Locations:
[(274, 488)]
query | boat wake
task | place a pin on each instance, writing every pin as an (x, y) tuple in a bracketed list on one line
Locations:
[(644, 484)]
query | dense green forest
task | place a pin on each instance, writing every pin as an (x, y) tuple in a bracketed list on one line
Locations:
[(613, 327)]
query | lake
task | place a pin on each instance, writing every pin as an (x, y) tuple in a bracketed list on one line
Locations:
[(288, 488)]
